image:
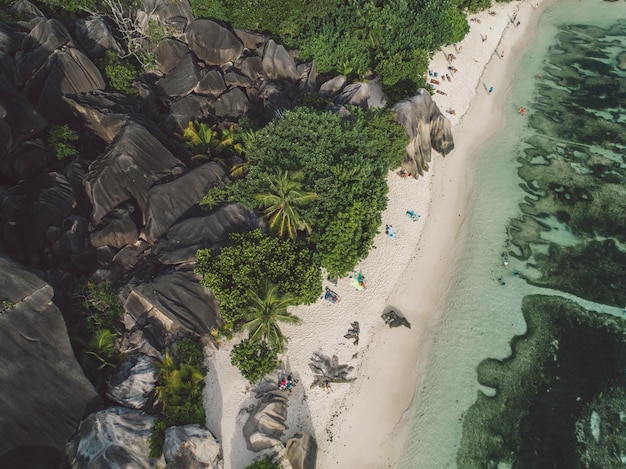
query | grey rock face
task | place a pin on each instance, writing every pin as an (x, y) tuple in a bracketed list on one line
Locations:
[(182, 79), (117, 229), (427, 128), (25, 159), (278, 64), (191, 447), (168, 53), (207, 230), (168, 202), (95, 36), (132, 164), (356, 94), (188, 108), (104, 113), (211, 83), (252, 67), (9, 39), (133, 381), (67, 71), (266, 424), (302, 451), (333, 86), (251, 41), (18, 112), (175, 16), (114, 438), (233, 78), (233, 103), (307, 83), (212, 43), (43, 391), (177, 300), (46, 37)]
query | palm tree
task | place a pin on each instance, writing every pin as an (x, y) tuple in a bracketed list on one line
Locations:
[(280, 205), (263, 313), (176, 383), (210, 143)]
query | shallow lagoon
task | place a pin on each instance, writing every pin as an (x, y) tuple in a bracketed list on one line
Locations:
[(563, 230)]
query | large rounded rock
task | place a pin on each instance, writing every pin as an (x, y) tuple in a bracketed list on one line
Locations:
[(133, 381), (191, 447), (211, 83), (182, 79), (212, 43), (177, 301), (302, 451), (43, 390), (266, 424), (66, 71), (234, 103), (278, 64), (427, 128), (95, 36), (114, 438), (168, 202), (168, 53), (132, 164)]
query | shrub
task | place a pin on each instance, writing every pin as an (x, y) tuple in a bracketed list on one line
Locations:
[(254, 359), (252, 259), (344, 162), (179, 391), (120, 74), (94, 324), (60, 138), (265, 463), (215, 196)]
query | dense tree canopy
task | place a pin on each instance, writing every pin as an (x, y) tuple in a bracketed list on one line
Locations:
[(252, 259), (345, 162)]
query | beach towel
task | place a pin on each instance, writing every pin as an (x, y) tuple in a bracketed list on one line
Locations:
[(331, 296)]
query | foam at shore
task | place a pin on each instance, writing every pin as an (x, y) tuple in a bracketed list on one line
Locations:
[(364, 424)]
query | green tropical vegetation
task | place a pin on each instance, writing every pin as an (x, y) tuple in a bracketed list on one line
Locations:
[(179, 390), (254, 359), (280, 203), (119, 74), (60, 141), (251, 259), (265, 463), (94, 323), (263, 313)]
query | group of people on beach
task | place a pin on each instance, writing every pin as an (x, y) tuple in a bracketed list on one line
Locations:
[(287, 383)]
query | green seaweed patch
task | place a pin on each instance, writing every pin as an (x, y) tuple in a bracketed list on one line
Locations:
[(593, 270), (568, 357)]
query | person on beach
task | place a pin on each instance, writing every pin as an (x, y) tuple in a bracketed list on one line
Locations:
[(484, 37), (502, 54), (490, 89)]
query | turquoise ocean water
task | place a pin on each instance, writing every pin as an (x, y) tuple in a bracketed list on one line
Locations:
[(561, 230)]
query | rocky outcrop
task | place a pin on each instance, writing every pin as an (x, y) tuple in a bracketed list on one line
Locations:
[(191, 447), (95, 36), (182, 79), (133, 381), (355, 94), (132, 164), (173, 16), (177, 301), (278, 63), (212, 43), (207, 230), (168, 53), (168, 202), (302, 451), (427, 128), (117, 229), (43, 391), (266, 424), (115, 438)]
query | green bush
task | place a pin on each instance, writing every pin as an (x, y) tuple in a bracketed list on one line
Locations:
[(179, 391), (402, 73), (344, 162), (94, 325), (265, 463), (120, 74), (210, 9), (215, 196), (60, 138), (254, 359), (252, 259)]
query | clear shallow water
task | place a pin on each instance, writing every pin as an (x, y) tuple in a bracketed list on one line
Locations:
[(481, 315)]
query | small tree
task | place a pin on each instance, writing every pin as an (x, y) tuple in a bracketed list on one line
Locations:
[(280, 204), (263, 313), (254, 359)]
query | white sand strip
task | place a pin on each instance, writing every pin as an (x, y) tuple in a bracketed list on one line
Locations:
[(361, 424)]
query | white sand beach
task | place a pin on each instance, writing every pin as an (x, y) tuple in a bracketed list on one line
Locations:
[(364, 423)]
